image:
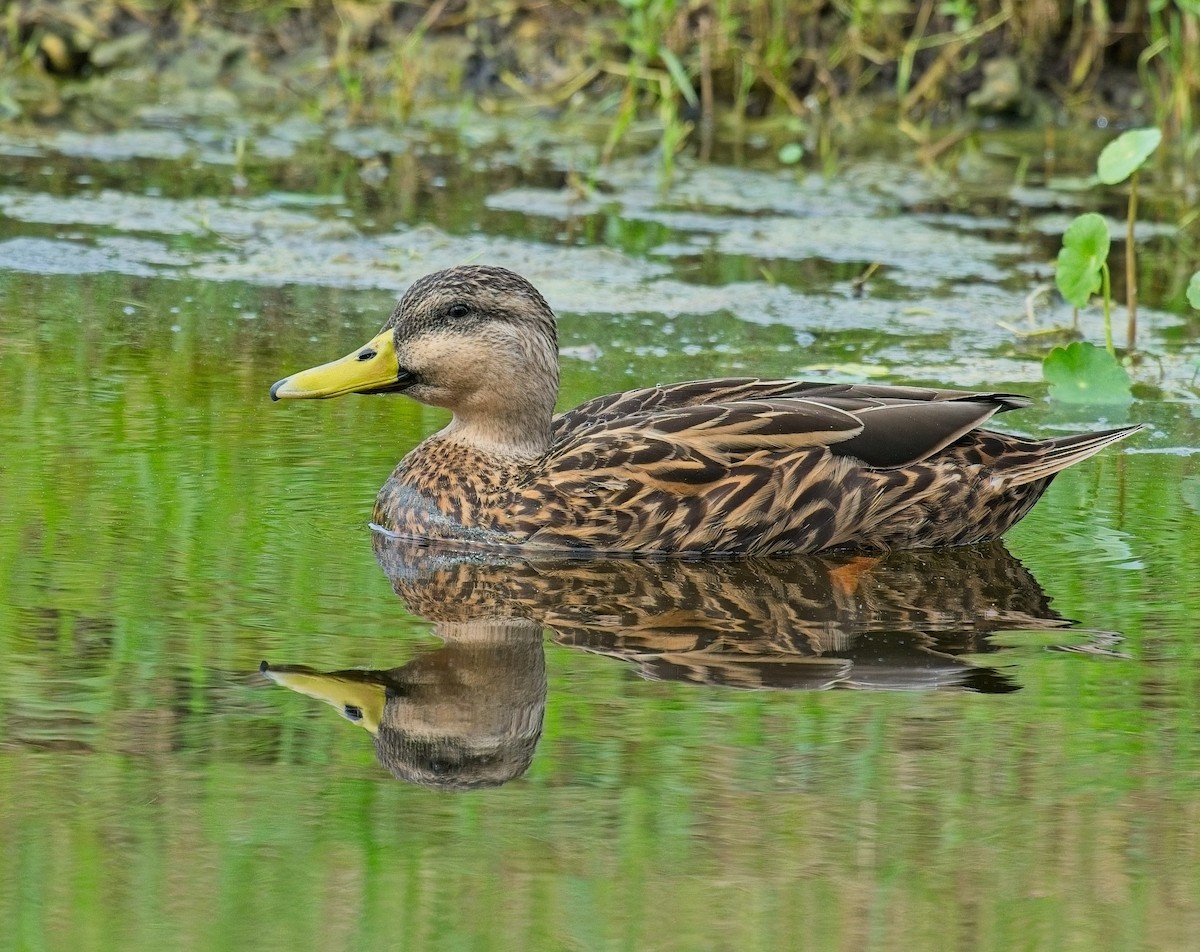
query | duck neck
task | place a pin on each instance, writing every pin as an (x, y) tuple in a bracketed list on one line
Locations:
[(491, 438), (510, 422)]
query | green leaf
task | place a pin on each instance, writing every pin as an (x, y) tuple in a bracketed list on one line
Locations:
[(791, 153), (1193, 291), (680, 76), (1126, 154), (1084, 373), (1084, 251)]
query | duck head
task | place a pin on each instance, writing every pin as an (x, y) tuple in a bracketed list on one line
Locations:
[(477, 340)]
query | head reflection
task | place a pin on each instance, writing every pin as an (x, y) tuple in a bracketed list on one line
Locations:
[(469, 714)]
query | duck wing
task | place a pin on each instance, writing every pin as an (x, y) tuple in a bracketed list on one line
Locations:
[(736, 389), (724, 420)]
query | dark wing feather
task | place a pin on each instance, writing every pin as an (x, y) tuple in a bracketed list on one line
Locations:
[(885, 393), (897, 434), (883, 426), (750, 425), (725, 429), (725, 390)]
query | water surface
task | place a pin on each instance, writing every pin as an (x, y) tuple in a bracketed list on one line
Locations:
[(1010, 757)]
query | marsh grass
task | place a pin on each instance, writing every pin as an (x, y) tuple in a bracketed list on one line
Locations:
[(927, 61), (690, 66)]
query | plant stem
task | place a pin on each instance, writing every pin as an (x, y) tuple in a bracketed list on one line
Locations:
[(1106, 289), (1131, 267)]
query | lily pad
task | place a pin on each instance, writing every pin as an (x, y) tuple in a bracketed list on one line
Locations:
[(1084, 373), (1193, 291), (1084, 251), (1126, 154), (791, 153)]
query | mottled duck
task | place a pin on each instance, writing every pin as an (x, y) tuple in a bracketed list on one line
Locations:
[(727, 466)]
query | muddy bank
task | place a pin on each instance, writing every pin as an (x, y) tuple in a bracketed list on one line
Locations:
[(688, 67)]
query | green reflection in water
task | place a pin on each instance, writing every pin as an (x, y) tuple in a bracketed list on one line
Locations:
[(164, 528)]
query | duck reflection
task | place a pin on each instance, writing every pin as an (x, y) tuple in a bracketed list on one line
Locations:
[(470, 712)]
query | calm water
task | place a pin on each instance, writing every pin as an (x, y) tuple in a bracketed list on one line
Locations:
[(1012, 759)]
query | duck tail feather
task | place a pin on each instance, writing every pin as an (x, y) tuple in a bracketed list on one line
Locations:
[(1053, 456)]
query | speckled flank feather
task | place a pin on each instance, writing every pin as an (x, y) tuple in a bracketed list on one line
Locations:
[(735, 465)]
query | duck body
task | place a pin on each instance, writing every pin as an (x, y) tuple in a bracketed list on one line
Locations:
[(718, 467), (738, 466)]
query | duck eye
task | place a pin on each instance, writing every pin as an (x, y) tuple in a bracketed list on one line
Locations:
[(366, 353), (353, 713), (458, 310)]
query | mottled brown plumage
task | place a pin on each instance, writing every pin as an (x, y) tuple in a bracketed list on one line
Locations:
[(728, 466), (902, 620), (469, 713)]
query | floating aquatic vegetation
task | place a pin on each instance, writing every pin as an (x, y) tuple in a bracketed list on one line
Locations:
[(50, 256)]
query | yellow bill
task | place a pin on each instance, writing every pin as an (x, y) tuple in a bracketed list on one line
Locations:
[(361, 701), (371, 368)]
